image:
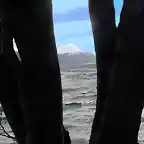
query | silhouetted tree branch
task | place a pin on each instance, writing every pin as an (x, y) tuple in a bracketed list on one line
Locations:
[(2, 128)]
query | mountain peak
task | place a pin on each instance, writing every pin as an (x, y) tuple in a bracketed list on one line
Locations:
[(69, 48)]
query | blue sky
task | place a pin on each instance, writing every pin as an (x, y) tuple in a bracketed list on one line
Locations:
[(72, 24)]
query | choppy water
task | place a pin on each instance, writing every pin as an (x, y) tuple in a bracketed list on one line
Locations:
[(79, 97), (79, 91)]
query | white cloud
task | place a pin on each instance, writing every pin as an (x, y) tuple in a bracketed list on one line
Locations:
[(69, 48)]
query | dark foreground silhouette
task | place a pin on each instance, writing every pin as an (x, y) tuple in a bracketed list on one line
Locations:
[(120, 69), (28, 90), (10, 98)]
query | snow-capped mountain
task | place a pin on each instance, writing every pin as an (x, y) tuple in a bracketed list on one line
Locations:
[(69, 49), (71, 57)]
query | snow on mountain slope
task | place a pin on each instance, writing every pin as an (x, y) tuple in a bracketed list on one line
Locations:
[(69, 48)]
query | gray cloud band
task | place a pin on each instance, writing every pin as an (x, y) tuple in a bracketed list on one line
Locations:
[(77, 14)]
